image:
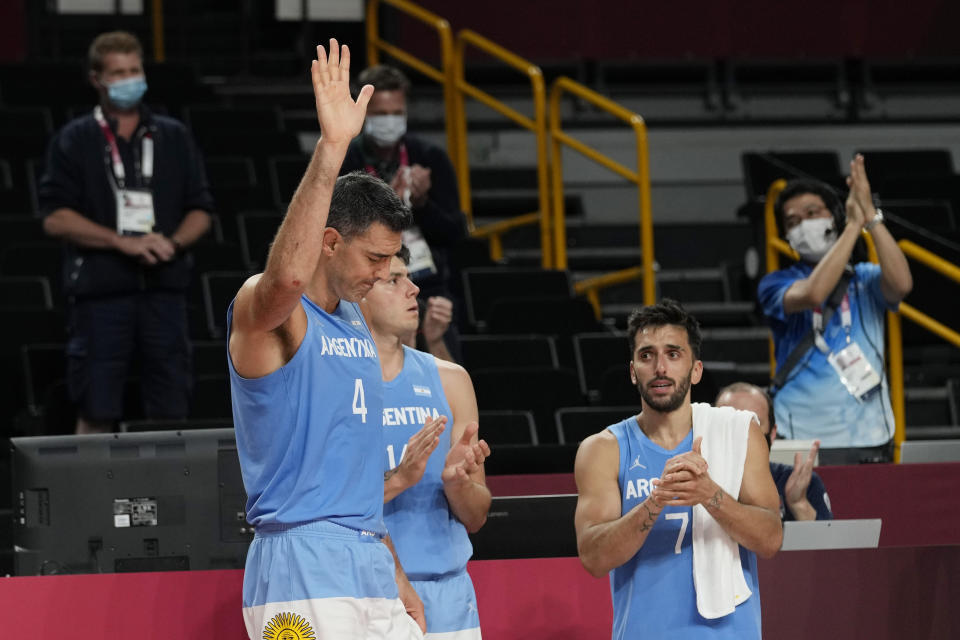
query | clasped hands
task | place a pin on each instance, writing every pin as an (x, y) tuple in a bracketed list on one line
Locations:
[(685, 480)]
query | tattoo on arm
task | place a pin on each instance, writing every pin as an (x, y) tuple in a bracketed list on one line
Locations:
[(389, 474), (649, 521), (716, 499)]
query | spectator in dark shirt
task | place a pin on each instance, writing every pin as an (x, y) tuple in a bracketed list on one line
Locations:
[(422, 175), (125, 189), (802, 494)]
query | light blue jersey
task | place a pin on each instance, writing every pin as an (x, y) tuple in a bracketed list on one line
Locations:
[(653, 592), (813, 403), (429, 539), (308, 434)]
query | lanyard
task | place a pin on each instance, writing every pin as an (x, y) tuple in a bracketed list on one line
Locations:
[(404, 161), (845, 320), (146, 160)]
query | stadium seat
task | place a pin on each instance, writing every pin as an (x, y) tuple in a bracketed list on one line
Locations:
[(209, 357), (907, 163), (29, 292), (285, 175), (232, 119), (539, 390), (256, 231), (43, 365), (20, 229), (596, 354), (33, 121), (761, 169), (211, 397), (551, 315), (231, 171), (484, 286), (34, 259), (219, 288), (574, 424), (485, 351), (786, 90), (507, 427), (209, 255)]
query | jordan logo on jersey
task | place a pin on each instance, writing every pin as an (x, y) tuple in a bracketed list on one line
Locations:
[(636, 463)]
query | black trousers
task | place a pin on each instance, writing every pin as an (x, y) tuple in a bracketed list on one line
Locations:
[(107, 334)]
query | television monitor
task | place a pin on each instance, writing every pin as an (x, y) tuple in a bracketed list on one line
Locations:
[(527, 527), (121, 502)]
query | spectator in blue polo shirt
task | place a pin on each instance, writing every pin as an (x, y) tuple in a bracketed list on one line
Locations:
[(827, 315)]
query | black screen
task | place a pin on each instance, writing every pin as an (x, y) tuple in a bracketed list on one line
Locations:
[(165, 500)]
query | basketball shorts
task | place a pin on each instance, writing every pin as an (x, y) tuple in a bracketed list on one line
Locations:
[(322, 581), (450, 605)]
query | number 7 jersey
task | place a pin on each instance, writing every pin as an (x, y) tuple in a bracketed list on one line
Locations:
[(653, 592), (309, 434)]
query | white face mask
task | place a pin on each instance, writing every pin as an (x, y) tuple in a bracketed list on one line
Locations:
[(385, 131), (813, 238)]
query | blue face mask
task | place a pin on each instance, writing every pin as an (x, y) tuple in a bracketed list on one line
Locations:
[(125, 94)]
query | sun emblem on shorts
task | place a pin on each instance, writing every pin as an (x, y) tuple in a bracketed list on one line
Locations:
[(288, 626)]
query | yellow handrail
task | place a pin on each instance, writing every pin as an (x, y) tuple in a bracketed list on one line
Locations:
[(443, 75), (537, 124), (895, 335), (775, 246), (640, 177), (159, 50)]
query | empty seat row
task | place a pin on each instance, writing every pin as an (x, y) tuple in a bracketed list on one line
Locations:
[(498, 428)]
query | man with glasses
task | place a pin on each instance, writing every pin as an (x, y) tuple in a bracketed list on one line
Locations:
[(826, 313)]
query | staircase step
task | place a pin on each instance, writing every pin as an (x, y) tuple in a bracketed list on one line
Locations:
[(738, 344), (693, 285), (940, 432), (928, 406)]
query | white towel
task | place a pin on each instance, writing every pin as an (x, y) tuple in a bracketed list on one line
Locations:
[(717, 573)]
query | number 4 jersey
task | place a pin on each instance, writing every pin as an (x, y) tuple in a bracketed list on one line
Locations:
[(309, 434), (653, 592)]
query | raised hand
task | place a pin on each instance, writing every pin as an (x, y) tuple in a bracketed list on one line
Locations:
[(340, 117), (795, 491), (417, 452), (860, 195), (437, 318), (420, 184), (465, 457)]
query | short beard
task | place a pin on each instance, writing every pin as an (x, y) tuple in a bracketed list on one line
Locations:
[(671, 403)]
